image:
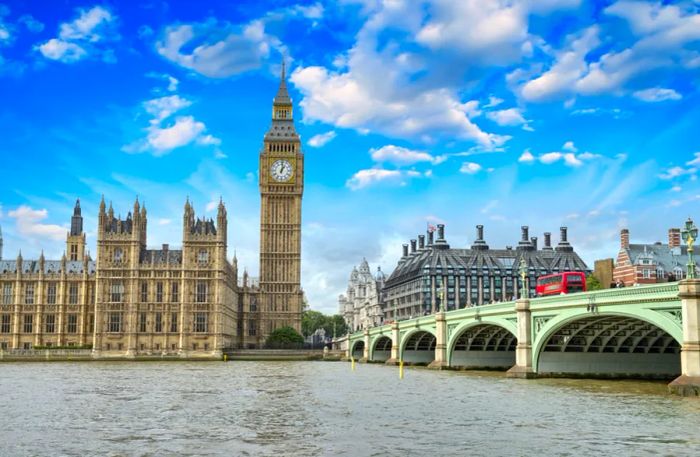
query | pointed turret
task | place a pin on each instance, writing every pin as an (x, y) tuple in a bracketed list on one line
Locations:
[(76, 222), (282, 97)]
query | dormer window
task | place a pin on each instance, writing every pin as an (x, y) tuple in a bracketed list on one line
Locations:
[(118, 255), (203, 256)]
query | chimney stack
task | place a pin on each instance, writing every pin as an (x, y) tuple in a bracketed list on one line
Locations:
[(533, 241), (624, 239), (431, 237), (479, 233), (405, 250), (413, 246), (563, 241), (674, 238), (524, 232), (441, 232), (547, 241), (421, 242)]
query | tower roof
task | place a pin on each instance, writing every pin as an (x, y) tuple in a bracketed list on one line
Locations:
[(282, 97)]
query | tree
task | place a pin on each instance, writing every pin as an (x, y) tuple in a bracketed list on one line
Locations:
[(592, 283), (341, 328), (310, 321), (284, 337)]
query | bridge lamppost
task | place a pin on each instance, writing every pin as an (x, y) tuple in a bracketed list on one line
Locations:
[(690, 234), (523, 274)]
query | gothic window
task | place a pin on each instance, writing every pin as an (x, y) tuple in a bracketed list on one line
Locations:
[(74, 252), (660, 273), (159, 292), (173, 322), (114, 323), (50, 323), (200, 322), (175, 293), (201, 292), (678, 273), (144, 292), (159, 323), (73, 294), (5, 323), (118, 255), (117, 292), (29, 294), (72, 326), (28, 323), (7, 294), (203, 256), (142, 322), (91, 323)]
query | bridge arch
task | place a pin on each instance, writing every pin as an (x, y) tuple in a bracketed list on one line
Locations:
[(418, 347), (483, 344), (357, 350), (608, 344), (380, 350)]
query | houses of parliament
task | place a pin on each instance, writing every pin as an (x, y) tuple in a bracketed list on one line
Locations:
[(133, 301)]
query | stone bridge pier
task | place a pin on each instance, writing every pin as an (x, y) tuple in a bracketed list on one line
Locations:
[(523, 351), (688, 383)]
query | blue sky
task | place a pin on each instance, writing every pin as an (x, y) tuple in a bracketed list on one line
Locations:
[(502, 113)]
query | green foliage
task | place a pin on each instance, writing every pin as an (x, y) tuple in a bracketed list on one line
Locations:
[(284, 337), (592, 283), (314, 320)]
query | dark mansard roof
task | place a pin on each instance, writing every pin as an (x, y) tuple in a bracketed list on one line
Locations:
[(50, 266), (169, 256)]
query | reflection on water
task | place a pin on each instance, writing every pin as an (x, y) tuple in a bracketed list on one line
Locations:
[(321, 408)]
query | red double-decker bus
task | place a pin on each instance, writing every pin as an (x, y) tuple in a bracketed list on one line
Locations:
[(561, 283)]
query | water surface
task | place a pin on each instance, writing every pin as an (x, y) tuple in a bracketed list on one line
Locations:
[(324, 408)]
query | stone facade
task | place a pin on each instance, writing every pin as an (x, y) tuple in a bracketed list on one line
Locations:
[(435, 275), (133, 301), (361, 306)]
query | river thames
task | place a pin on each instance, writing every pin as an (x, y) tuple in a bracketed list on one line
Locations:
[(325, 409)]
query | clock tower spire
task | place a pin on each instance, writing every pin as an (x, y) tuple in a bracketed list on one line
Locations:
[(281, 177)]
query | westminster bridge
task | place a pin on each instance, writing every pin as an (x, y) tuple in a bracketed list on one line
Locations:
[(647, 331)]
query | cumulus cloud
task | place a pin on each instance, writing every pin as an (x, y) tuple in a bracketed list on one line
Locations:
[(364, 178), (321, 139), (221, 49), (568, 155), (401, 156), (28, 224), (509, 117), (470, 168), (526, 157), (84, 36), (165, 134), (657, 94), (32, 24), (676, 172)]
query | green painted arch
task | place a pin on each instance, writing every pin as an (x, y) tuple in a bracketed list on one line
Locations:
[(408, 336), (355, 343), (643, 314), (373, 344), (463, 327)]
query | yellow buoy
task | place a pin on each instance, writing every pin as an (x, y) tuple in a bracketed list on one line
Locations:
[(225, 357), (400, 369), (352, 361)]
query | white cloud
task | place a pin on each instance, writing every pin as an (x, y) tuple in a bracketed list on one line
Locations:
[(163, 221), (400, 156), (28, 224), (164, 135), (321, 139), (364, 178), (657, 94), (82, 37), (221, 50), (675, 172), (569, 146), (676, 189), (695, 161), (470, 168), (493, 102), (508, 117), (526, 157), (64, 51), (569, 66)]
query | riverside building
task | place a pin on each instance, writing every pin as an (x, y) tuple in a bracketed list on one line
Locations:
[(136, 301), (361, 305), (433, 274)]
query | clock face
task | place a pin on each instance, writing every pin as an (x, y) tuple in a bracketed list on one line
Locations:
[(281, 170)]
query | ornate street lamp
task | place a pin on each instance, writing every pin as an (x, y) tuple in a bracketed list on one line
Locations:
[(441, 294), (690, 234), (523, 274)]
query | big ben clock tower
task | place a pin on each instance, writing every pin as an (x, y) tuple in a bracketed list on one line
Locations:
[(281, 189)]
